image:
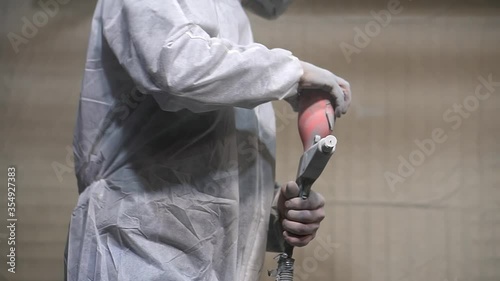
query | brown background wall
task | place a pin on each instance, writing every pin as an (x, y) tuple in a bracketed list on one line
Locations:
[(442, 222)]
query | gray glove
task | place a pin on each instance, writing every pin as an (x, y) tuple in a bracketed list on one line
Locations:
[(318, 78)]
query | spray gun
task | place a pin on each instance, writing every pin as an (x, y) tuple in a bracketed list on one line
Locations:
[(315, 123)]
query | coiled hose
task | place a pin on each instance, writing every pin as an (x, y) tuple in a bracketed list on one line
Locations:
[(285, 268)]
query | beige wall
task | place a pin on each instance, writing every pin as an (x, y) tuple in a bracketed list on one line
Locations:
[(441, 223)]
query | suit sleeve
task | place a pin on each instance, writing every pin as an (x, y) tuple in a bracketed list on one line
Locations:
[(175, 59)]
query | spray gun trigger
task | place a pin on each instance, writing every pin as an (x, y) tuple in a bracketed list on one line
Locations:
[(330, 118)]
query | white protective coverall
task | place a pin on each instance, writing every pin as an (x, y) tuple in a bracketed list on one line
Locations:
[(175, 143)]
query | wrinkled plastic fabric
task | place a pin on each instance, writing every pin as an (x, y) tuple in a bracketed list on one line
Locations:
[(175, 143)]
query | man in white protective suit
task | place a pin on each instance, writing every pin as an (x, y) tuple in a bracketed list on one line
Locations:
[(175, 144)]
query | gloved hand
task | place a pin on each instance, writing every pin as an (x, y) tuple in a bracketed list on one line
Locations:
[(300, 218), (318, 78)]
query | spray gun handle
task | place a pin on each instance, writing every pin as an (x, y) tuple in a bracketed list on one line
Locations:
[(315, 123)]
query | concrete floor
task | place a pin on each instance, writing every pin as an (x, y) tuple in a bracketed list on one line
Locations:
[(440, 222)]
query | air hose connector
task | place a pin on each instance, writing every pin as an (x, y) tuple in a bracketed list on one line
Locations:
[(285, 268)]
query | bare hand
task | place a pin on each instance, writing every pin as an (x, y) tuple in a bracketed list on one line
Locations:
[(300, 218)]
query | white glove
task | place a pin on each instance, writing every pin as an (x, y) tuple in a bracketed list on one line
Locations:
[(318, 78)]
